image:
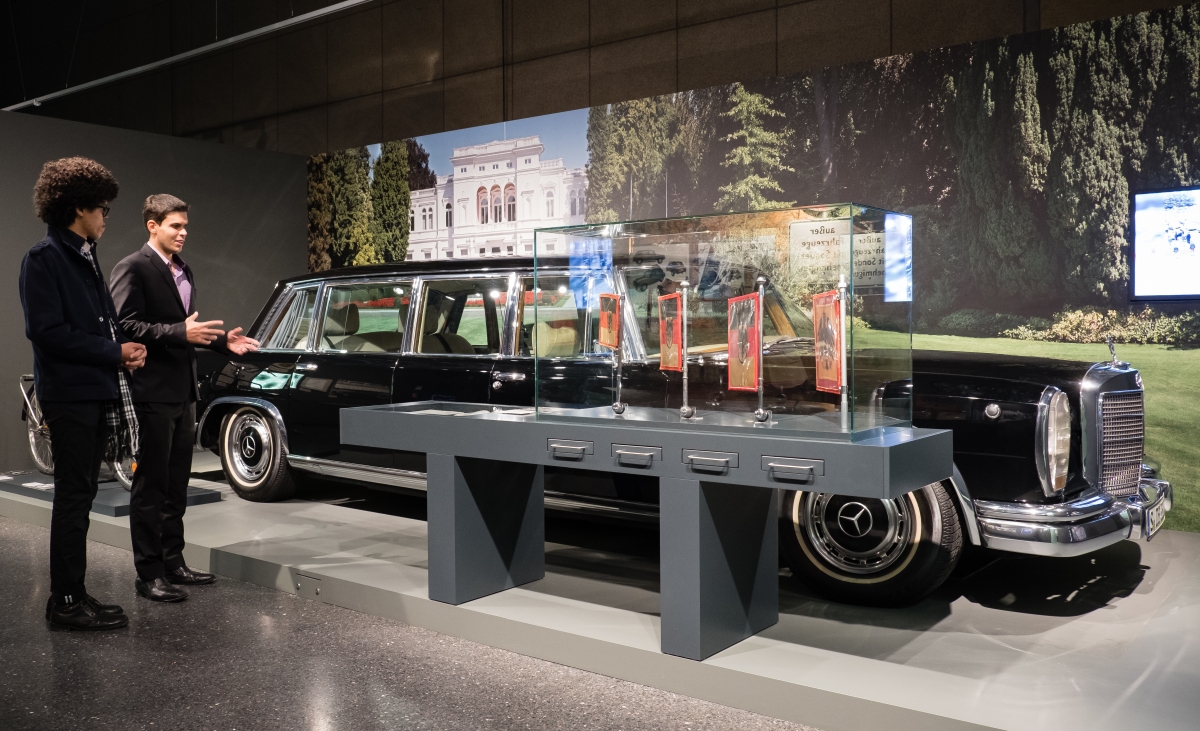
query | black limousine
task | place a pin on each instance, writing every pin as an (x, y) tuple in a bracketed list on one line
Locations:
[(1048, 454)]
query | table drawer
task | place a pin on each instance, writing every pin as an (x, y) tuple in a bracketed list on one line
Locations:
[(635, 455), (568, 449), (794, 469), (706, 461)]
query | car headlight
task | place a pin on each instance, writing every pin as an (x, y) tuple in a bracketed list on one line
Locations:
[(1053, 440)]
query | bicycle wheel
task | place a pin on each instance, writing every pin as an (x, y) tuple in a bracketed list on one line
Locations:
[(39, 435)]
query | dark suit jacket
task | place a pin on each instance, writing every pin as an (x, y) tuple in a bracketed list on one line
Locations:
[(67, 314), (151, 313)]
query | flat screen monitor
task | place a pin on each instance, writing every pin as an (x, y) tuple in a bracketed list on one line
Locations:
[(1166, 245)]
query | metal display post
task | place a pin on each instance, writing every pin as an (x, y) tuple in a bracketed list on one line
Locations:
[(618, 406), (844, 304), (685, 411), (761, 414)]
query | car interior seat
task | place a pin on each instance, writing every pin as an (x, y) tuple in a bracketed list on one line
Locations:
[(555, 338), (433, 341), (340, 324)]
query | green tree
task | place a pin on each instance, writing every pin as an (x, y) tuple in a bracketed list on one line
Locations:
[(757, 157), (603, 166), (1105, 77), (420, 175), (1003, 153), (390, 201), (629, 144), (351, 243), (319, 214)]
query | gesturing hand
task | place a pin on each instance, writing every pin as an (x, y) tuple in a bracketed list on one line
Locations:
[(133, 355), (239, 344), (202, 333)]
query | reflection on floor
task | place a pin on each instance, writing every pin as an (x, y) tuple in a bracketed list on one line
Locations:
[(1107, 641)]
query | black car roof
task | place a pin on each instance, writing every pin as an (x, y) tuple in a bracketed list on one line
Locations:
[(499, 264)]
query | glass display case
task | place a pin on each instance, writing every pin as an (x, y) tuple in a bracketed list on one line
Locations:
[(797, 321)]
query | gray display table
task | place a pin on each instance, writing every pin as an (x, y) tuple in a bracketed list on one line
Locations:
[(718, 516)]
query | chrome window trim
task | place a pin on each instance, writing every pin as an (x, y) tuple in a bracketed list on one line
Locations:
[(276, 312), (418, 306), (384, 279)]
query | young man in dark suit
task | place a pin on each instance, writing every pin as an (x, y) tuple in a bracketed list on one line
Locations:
[(155, 295), (78, 353)]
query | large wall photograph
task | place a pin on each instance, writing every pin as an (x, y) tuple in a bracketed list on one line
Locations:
[(1016, 157)]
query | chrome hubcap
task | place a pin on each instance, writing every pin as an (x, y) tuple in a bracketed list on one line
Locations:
[(249, 446), (857, 535)]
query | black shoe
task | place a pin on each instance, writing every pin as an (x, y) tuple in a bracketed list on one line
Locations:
[(94, 603), (159, 590), (81, 616), (191, 577)]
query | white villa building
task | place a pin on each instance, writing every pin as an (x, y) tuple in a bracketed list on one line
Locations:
[(497, 194)]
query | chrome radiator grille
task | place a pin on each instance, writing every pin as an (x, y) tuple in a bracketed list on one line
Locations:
[(1122, 437)]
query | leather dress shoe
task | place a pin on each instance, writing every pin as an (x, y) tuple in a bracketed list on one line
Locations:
[(159, 590), (94, 603), (191, 577), (81, 616)]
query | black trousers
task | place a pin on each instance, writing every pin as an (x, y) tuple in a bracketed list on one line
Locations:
[(78, 435), (166, 434)]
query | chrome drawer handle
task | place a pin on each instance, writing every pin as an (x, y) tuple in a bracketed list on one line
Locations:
[(567, 451), (709, 461), (306, 366), (508, 376), (791, 469), (641, 458)]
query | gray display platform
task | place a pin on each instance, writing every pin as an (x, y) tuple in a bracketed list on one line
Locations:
[(1108, 641), (111, 498), (718, 516)]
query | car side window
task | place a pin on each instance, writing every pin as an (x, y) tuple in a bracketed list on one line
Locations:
[(462, 316), (289, 331), (365, 317), (555, 321)]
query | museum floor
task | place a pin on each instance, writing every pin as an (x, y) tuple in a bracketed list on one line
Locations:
[(240, 656), (1105, 641)]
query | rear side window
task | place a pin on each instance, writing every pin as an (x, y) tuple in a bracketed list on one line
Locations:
[(289, 330), (462, 316), (556, 319), (366, 317)]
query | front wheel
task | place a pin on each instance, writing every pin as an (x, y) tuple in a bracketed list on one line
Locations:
[(871, 551), (253, 458)]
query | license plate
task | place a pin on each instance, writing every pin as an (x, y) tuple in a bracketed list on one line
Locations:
[(1155, 517)]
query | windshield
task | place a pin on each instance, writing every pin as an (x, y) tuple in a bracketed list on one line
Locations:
[(708, 308)]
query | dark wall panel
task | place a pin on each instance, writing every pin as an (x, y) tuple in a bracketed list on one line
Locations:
[(247, 227)]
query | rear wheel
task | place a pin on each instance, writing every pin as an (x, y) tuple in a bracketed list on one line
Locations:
[(871, 551), (253, 458)]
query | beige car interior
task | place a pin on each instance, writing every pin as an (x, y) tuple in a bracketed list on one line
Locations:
[(341, 332), (434, 338)]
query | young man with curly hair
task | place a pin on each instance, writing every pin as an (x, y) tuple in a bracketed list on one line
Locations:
[(80, 364)]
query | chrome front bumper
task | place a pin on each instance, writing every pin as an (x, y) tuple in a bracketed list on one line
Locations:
[(1087, 523)]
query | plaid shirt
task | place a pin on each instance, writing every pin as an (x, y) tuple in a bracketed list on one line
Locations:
[(121, 418)]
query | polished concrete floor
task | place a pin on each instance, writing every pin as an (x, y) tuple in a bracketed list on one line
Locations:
[(240, 656), (1103, 642)]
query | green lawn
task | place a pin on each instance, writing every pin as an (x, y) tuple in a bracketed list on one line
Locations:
[(1172, 404)]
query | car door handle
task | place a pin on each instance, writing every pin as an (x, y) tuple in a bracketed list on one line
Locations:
[(517, 376), (306, 366)]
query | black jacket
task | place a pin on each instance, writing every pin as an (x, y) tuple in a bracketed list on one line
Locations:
[(68, 310), (151, 313)]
